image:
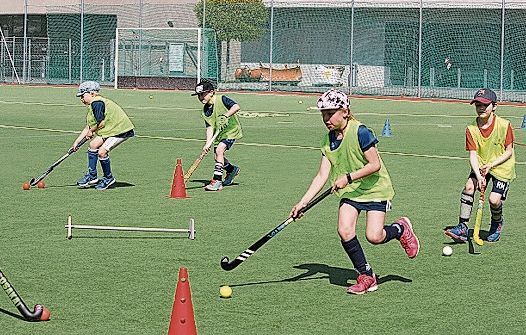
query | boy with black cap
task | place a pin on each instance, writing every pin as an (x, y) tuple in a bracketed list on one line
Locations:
[(109, 126), (219, 115), (489, 140), (352, 164)]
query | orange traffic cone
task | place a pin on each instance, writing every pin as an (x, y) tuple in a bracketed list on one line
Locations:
[(182, 321), (178, 187)]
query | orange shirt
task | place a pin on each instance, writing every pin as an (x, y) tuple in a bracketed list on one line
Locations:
[(470, 143)]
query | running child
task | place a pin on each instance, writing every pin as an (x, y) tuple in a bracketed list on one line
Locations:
[(350, 161), (489, 140), (107, 126), (219, 114)]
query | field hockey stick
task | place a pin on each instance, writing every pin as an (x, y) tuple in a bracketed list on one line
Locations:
[(194, 166), (39, 312), (478, 219), (35, 181), (227, 266)]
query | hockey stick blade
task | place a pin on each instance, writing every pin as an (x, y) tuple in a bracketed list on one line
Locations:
[(34, 315), (227, 265)]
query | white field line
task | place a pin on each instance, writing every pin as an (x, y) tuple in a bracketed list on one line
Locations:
[(254, 111), (268, 145)]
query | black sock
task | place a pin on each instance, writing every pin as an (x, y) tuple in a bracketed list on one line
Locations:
[(355, 252), (393, 231)]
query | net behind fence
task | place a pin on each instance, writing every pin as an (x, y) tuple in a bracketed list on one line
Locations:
[(165, 57), (428, 48)]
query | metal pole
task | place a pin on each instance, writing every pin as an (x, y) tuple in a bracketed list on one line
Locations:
[(351, 51), (420, 52), (24, 57), (271, 42), (140, 37), (81, 38), (204, 14), (199, 52), (116, 60), (502, 50), (69, 60)]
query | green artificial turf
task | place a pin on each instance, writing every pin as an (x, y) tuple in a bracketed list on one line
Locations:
[(124, 282)]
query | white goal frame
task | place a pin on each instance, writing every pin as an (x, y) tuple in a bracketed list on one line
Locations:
[(199, 48)]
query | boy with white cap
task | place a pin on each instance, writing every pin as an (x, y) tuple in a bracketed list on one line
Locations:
[(108, 126)]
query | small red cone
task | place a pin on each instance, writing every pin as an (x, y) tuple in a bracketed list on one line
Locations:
[(182, 321), (178, 187)]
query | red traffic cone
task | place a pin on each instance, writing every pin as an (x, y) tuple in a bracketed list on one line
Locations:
[(178, 187), (182, 321)]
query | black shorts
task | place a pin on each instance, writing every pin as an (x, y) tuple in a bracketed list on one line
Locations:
[(379, 206), (229, 142), (498, 186)]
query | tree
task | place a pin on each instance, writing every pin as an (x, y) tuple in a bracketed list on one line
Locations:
[(233, 20)]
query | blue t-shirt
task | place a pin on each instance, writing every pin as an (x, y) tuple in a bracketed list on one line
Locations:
[(366, 139), (209, 109)]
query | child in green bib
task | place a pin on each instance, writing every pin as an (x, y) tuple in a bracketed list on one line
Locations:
[(351, 163), (219, 115), (489, 140), (108, 126)]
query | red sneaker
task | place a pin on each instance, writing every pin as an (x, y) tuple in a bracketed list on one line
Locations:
[(408, 240), (364, 284)]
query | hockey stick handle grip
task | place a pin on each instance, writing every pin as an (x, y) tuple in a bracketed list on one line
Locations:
[(71, 150), (313, 202)]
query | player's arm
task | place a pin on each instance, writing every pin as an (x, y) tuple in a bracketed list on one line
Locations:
[(367, 141), (209, 135), (475, 167), (83, 134), (505, 156), (315, 187), (373, 165)]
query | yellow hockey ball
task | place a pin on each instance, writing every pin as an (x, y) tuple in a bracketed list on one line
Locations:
[(225, 291)]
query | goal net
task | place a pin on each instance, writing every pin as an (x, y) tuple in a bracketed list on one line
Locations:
[(164, 57)]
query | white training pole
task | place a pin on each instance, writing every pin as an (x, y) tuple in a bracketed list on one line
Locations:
[(69, 236), (190, 230)]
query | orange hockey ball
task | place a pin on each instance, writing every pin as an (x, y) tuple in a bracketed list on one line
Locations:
[(41, 184), (26, 186)]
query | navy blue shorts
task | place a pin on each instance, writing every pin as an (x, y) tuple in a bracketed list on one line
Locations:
[(228, 142), (498, 186), (379, 206)]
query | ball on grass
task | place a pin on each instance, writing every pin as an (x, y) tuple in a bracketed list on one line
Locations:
[(300, 101), (225, 291), (41, 184), (26, 186), (46, 314), (447, 251), (151, 97)]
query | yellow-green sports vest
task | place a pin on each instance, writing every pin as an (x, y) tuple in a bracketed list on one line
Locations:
[(115, 119), (488, 149), (349, 157), (233, 130)]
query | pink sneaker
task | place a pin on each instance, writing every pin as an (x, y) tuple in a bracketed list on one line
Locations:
[(408, 240), (364, 284)]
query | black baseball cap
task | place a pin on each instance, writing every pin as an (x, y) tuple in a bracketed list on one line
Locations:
[(203, 86), (485, 96)]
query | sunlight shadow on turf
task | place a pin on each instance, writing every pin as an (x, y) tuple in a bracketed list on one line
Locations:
[(337, 276), (13, 314), (471, 248), (117, 184), (202, 181)]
